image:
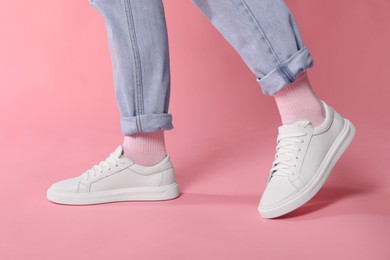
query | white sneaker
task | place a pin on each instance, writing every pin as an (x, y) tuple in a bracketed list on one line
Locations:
[(117, 179), (305, 156)]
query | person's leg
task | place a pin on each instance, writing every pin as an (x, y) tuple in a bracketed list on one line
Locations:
[(313, 135), (138, 41), (265, 34), (139, 169)]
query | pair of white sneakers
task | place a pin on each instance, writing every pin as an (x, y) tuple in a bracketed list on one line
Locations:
[(305, 156)]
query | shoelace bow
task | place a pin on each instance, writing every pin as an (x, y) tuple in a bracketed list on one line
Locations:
[(287, 150), (110, 161)]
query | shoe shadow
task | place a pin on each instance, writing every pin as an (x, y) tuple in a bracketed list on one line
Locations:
[(327, 196), (202, 199)]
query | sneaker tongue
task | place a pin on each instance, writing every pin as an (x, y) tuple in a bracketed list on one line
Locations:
[(118, 151), (296, 127)]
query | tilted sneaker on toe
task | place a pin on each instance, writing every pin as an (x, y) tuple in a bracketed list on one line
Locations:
[(305, 156), (117, 179)]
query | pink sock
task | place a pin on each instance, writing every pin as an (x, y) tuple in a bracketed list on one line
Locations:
[(145, 148), (297, 101)]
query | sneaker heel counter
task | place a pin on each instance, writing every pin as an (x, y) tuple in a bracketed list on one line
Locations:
[(340, 120), (168, 177)]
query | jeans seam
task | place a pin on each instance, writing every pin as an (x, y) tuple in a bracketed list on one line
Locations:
[(260, 29), (137, 63), (286, 73)]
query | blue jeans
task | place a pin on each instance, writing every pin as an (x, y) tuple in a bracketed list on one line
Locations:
[(263, 32)]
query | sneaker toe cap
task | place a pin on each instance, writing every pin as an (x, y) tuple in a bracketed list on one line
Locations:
[(68, 185), (278, 189)]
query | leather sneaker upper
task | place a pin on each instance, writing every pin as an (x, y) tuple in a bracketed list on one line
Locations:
[(301, 148), (118, 172)]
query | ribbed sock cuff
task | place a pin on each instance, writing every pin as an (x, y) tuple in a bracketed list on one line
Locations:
[(297, 101), (145, 148)]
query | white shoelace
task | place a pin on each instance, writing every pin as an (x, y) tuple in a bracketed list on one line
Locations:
[(106, 165), (287, 150)]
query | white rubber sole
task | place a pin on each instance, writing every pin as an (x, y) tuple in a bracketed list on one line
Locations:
[(337, 149), (131, 194)]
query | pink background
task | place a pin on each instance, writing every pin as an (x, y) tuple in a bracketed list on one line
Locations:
[(59, 116)]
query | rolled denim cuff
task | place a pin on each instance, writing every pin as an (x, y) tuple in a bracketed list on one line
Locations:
[(286, 72), (146, 123)]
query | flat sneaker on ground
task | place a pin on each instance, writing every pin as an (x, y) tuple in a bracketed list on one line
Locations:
[(305, 156), (117, 178)]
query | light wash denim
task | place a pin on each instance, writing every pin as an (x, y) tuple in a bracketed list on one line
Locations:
[(263, 32)]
